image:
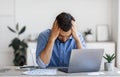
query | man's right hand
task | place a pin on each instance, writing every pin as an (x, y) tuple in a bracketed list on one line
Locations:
[(46, 53), (55, 31)]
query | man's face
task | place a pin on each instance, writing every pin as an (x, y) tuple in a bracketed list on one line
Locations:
[(64, 36)]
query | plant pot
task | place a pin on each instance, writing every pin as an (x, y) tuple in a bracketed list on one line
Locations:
[(89, 38), (108, 66), (19, 57)]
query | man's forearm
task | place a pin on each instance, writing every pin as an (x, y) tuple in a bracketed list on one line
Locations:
[(45, 55), (78, 43)]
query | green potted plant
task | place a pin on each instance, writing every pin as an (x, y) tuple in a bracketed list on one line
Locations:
[(19, 46), (89, 31), (88, 35), (108, 66)]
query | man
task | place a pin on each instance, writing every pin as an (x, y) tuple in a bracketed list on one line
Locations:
[(54, 46)]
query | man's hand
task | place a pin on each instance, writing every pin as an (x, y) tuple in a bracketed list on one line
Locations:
[(47, 51), (55, 31), (74, 31), (75, 35)]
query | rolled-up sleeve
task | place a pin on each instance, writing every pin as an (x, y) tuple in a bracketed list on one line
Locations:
[(41, 43), (40, 63), (82, 41)]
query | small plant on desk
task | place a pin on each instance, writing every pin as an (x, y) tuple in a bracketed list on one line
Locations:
[(108, 65), (109, 57)]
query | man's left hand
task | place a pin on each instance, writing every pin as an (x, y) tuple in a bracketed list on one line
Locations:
[(75, 35), (74, 31)]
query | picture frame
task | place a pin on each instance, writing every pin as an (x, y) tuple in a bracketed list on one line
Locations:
[(102, 33)]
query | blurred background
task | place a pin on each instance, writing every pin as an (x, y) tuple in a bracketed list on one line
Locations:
[(99, 18)]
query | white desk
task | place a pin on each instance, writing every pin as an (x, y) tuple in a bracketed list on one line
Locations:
[(13, 72)]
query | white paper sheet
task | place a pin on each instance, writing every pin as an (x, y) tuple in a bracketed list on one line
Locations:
[(41, 72), (95, 73)]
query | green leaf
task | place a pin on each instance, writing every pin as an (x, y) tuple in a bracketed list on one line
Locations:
[(10, 45), (109, 57), (17, 27), (15, 43), (24, 44), (11, 30), (112, 55), (105, 57), (22, 30)]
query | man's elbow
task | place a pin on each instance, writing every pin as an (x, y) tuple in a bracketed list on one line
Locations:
[(40, 63)]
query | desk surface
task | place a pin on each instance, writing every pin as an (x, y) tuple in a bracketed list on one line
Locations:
[(13, 71)]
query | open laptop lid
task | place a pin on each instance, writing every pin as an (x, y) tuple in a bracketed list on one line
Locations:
[(85, 60)]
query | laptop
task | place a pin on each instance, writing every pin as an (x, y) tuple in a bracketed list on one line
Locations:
[(84, 60)]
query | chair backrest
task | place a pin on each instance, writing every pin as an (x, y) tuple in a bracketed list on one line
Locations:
[(31, 57)]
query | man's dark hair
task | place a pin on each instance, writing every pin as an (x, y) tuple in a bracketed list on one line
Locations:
[(64, 21)]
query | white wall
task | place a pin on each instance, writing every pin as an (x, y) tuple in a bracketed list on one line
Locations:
[(118, 38), (115, 11), (7, 17), (39, 15), (115, 27)]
